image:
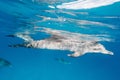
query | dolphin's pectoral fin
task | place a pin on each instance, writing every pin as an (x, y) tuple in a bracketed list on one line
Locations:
[(25, 37), (76, 54)]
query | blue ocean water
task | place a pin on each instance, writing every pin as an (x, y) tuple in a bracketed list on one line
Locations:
[(45, 64)]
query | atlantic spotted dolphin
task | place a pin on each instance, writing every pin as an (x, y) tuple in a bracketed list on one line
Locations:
[(79, 44)]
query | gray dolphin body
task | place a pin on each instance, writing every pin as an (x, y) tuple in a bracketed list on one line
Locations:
[(61, 40)]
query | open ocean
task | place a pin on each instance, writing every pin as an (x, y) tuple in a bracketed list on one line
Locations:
[(100, 18)]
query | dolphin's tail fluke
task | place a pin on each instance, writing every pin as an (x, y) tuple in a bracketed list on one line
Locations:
[(25, 45), (25, 37), (17, 45)]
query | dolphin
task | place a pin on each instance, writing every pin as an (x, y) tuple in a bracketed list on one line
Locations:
[(62, 60), (4, 63), (79, 44)]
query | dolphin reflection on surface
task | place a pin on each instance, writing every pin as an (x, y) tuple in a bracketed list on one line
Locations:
[(77, 43)]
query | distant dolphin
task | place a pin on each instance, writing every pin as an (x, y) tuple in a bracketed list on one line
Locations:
[(62, 60), (79, 44), (4, 63)]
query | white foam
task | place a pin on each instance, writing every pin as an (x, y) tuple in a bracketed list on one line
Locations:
[(86, 4)]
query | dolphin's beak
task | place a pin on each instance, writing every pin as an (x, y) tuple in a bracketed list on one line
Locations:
[(108, 52)]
